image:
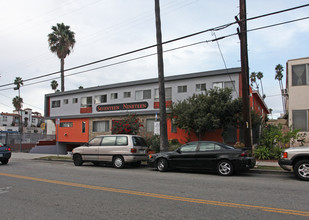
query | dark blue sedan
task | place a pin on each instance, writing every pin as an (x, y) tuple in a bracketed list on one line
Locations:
[(5, 153)]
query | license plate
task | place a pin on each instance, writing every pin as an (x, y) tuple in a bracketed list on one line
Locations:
[(1, 155)]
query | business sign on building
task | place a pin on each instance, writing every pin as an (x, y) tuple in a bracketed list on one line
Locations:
[(123, 106)]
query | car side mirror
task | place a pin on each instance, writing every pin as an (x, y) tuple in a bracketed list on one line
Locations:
[(178, 151)]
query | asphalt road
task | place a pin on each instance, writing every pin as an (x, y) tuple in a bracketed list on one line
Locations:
[(32, 189)]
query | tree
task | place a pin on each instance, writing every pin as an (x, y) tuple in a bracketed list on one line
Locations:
[(61, 41), (260, 75), (253, 80), (80, 87), (54, 85), (207, 111), (18, 82), (279, 76), (17, 103)]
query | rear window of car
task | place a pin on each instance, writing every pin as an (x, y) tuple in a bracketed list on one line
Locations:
[(139, 141)]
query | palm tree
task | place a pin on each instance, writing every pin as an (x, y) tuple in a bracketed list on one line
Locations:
[(17, 103), (279, 76), (18, 82), (259, 75), (54, 85), (253, 80), (61, 41)]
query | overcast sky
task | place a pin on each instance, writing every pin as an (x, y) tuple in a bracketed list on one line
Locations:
[(105, 28)]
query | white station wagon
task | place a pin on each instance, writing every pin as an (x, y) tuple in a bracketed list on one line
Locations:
[(116, 149)]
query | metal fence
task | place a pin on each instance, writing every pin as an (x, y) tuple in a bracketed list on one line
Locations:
[(24, 142)]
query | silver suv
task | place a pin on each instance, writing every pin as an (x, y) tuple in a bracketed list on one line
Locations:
[(296, 158), (116, 149)]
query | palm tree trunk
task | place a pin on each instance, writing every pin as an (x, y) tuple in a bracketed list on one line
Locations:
[(62, 74), (262, 88)]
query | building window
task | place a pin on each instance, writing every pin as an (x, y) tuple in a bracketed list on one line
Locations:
[(100, 126), (173, 127), (83, 127), (300, 75), (126, 94), (5, 118), (143, 94), (300, 119), (75, 100), (150, 125), (86, 102), (182, 89), (65, 101), (66, 124), (230, 84), (114, 96), (100, 99), (56, 104), (33, 120), (218, 85), (168, 94), (200, 87)]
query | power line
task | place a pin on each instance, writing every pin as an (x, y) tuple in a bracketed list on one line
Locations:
[(221, 27)]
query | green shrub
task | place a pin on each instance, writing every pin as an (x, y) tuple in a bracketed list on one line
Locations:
[(262, 153), (275, 153), (173, 144), (154, 143)]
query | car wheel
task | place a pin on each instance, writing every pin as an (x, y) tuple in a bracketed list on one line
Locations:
[(5, 161), (301, 169), (162, 165), (77, 159), (225, 168), (118, 162)]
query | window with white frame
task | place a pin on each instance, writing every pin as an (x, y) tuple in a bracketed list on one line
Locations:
[(143, 94), (126, 94), (168, 94), (300, 75), (100, 126), (65, 101), (300, 119), (114, 95), (150, 125), (56, 104), (200, 87), (218, 85), (4, 118), (100, 99), (182, 89), (86, 102), (75, 100)]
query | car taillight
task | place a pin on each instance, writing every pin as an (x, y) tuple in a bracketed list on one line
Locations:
[(9, 149), (285, 155), (243, 154), (133, 150)]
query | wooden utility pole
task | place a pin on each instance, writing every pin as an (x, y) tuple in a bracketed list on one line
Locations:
[(163, 125), (245, 75)]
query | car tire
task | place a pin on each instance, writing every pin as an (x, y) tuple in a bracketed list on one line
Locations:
[(301, 170), (118, 162), (5, 161), (162, 165), (77, 159), (225, 168)]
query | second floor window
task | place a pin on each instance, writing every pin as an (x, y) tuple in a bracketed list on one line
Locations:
[(168, 94), (75, 100), (100, 99), (182, 89), (143, 94), (114, 96), (126, 94), (5, 118), (200, 87), (65, 101), (300, 75), (56, 104), (86, 102)]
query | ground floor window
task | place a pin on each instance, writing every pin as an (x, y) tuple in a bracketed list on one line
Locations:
[(100, 126), (150, 125), (300, 119)]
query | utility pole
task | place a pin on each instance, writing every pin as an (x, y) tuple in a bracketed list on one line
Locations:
[(163, 124), (245, 74)]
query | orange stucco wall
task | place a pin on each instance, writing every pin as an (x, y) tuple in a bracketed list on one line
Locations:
[(74, 133)]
